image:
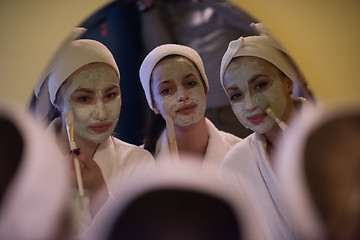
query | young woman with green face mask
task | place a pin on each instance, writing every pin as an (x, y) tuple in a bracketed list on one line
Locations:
[(258, 79), (85, 80), (176, 87)]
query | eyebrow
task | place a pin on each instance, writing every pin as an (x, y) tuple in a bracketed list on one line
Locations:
[(255, 77), (165, 81), (84, 90), (189, 75), (233, 87), (252, 79), (110, 89)]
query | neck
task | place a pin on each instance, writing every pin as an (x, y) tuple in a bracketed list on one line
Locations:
[(192, 139), (86, 146), (275, 133)]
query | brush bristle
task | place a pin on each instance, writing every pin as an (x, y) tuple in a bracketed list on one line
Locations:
[(69, 117)]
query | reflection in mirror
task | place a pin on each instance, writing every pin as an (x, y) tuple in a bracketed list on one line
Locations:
[(259, 77), (83, 86), (131, 29)]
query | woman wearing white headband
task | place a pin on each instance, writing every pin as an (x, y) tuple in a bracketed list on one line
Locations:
[(85, 80), (258, 80), (175, 85)]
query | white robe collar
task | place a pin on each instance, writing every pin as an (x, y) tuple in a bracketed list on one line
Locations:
[(215, 151)]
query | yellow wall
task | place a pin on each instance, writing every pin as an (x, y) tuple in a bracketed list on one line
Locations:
[(322, 36), (31, 31)]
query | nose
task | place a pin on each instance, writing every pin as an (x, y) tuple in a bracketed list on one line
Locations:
[(100, 112), (182, 95), (249, 102)]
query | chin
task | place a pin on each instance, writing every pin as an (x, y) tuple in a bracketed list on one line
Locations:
[(98, 138)]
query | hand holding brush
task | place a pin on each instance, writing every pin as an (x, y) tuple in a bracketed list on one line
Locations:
[(69, 119)]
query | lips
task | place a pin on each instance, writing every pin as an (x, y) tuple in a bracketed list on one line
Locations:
[(256, 119), (100, 127), (186, 109)]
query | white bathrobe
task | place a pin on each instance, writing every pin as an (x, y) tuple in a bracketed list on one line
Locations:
[(249, 159), (117, 160), (219, 144), (116, 157)]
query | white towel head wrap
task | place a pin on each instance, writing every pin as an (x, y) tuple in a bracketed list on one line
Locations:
[(162, 51), (270, 40), (77, 54), (74, 34), (256, 46)]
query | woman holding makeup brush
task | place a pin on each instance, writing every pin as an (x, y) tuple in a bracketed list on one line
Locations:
[(176, 86), (257, 76), (85, 79)]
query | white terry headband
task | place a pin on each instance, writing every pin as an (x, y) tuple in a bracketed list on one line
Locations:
[(255, 46), (77, 54), (160, 52), (74, 34)]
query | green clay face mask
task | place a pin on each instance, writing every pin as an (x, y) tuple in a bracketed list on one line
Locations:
[(179, 92), (94, 96), (254, 81)]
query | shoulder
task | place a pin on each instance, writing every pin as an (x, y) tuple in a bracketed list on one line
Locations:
[(244, 144), (128, 149), (226, 137), (241, 150), (230, 138)]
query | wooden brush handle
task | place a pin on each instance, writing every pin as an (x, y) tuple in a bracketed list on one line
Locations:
[(171, 137)]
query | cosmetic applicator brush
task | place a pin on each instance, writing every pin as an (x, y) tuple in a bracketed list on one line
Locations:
[(69, 120), (172, 138), (262, 102)]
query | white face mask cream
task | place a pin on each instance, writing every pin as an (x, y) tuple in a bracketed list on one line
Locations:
[(178, 91), (248, 81), (94, 96)]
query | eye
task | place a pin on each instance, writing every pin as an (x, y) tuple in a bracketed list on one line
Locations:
[(111, 95), (260, 85), (83, 99), (165, 91), (235, 95), (82, 96), (191, 83), (165, 88)]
